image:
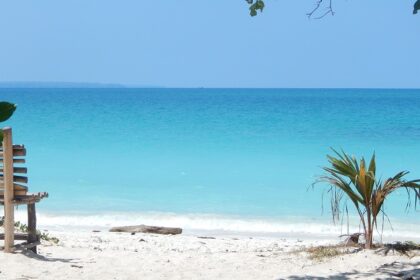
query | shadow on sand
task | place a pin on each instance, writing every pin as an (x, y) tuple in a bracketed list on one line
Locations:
[(395, 270), (32, 255)]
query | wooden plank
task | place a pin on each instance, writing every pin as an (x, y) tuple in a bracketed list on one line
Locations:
[(18, 146), (15, 146), (16, 153), (27, 198), (15, 193), (21, 170), (19, 160), (18, 236), (19, 190), (18, 179), (9, 219), (16, 187), (32, 237), (19, 153), (15, 160), (38, 195), (25, 201)]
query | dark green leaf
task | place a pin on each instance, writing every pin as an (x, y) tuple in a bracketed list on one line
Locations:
[(416, 6), (6, 110), (256, 6)]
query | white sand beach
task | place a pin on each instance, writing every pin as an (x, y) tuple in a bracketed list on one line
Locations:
[(106, 255), (226, 140)]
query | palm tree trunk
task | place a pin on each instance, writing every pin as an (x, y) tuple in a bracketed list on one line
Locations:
[(365, 228), (369, 232)]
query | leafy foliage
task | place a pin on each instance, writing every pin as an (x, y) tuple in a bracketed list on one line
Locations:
[(357, 181), (258, 5), (416, 7), (42, 235), (24, 228), (255, 6), (6, 111)]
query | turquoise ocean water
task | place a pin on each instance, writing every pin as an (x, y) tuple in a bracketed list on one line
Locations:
[(214, 159)]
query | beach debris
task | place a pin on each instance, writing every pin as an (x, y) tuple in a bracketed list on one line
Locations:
[(352, 239), (28, 277), (206, 237), (408, 248), (147, 229), (97, 239), (325, 252), (76, 266), (95, 230)]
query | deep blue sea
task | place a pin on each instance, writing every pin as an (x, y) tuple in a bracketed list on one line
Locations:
[(214, 159)]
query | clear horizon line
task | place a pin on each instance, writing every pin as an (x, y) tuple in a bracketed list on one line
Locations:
[(103, 85)]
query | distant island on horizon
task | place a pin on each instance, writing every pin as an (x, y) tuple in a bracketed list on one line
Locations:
[(69, 85), (58, 85)]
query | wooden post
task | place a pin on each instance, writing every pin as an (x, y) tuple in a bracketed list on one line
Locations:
[(9, 219), (32, 237)]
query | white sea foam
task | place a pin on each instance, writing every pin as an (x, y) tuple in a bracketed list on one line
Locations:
[(195, 223)]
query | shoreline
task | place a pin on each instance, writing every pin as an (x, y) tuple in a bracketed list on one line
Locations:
[(217, 225)]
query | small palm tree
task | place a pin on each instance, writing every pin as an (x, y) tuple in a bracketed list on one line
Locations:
[(365, 191)]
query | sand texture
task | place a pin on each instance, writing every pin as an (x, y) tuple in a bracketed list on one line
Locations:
[(105, 255)]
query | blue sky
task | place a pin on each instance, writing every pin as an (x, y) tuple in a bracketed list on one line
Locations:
[(202, 43)]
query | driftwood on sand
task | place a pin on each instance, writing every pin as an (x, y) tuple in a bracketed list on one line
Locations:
[(147, 229), (352, 239)]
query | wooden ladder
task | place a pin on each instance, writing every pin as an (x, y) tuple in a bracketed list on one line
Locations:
[(13, 191)]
